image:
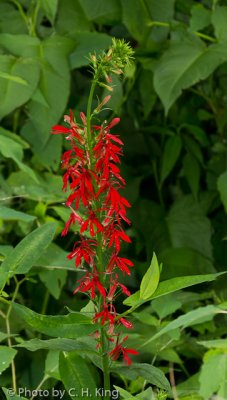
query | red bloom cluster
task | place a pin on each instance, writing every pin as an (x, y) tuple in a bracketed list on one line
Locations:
[(94, 180)]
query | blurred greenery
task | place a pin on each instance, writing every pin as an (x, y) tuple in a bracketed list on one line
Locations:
[(173, 109)]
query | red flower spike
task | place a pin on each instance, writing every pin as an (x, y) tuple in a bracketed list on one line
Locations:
[(94, 179)]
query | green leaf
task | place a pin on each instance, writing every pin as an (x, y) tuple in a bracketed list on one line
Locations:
[(184, 261), (201, 314), (10, 148), (218, 20), (7, 355), (49, 8), (101, 12), (211, 382), (13, 93), (59, 344), (20, 45), (9, 214), (170, 286), (164, 306), (150, 280), (150, 373), (214, 344), (54, 257), (71, 326), (88, 42), (24, 255), (54, 86), (54, 281), (170, 156), (71, 18), (222, 188), (188, 227), (13, 78), (200, 17), (192, 173), (10, 395), (135, 17), (184, 64), (74, 369)]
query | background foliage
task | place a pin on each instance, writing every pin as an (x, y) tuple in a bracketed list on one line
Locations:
[(173, 113)]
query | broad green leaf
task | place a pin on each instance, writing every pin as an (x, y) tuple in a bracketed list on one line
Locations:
[(86, 43), (9, 148), (20, 45), (14, 94), (10, 395), (200, 17), (124, 393), (218, 20), (49, 8), (74, 369), (184, 261), (193, 317), (164, 306), (170, 286), (54, 257), (59, 344), (222, 188), (54, 86), (214, 344), (101, 12), (9, 214), (7, 355), (71, 326), (16, 138), (4, 336), (147, 93), (150, 373), (11, 20), (71, 18), (24, 255), (135, 17), (189, 388), (150, 280), (184, 64), (54, 280), (189, 227), (170, 156), (192, 173), (211, 382)]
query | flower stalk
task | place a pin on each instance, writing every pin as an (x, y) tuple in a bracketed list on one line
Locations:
[(94, 179)]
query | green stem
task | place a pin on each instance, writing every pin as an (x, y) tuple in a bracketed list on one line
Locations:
[(89, 104), (105, 364)]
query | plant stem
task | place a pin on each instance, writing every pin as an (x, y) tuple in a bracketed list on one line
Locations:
[(105, 364)]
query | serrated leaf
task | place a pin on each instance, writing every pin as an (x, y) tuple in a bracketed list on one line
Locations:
[(24, 255), (150, 280), (170, 156), (67, 326), (7, 355), (74, 369), (210, 382)]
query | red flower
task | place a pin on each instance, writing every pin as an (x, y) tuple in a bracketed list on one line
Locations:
[(74, 217), (113, 287), (107, 314), (83, 250), (91, 222), (119, 349), (90, 282), (121, 263), (115, 235)]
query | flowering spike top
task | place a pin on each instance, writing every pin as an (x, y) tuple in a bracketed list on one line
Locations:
[(93, 177)]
